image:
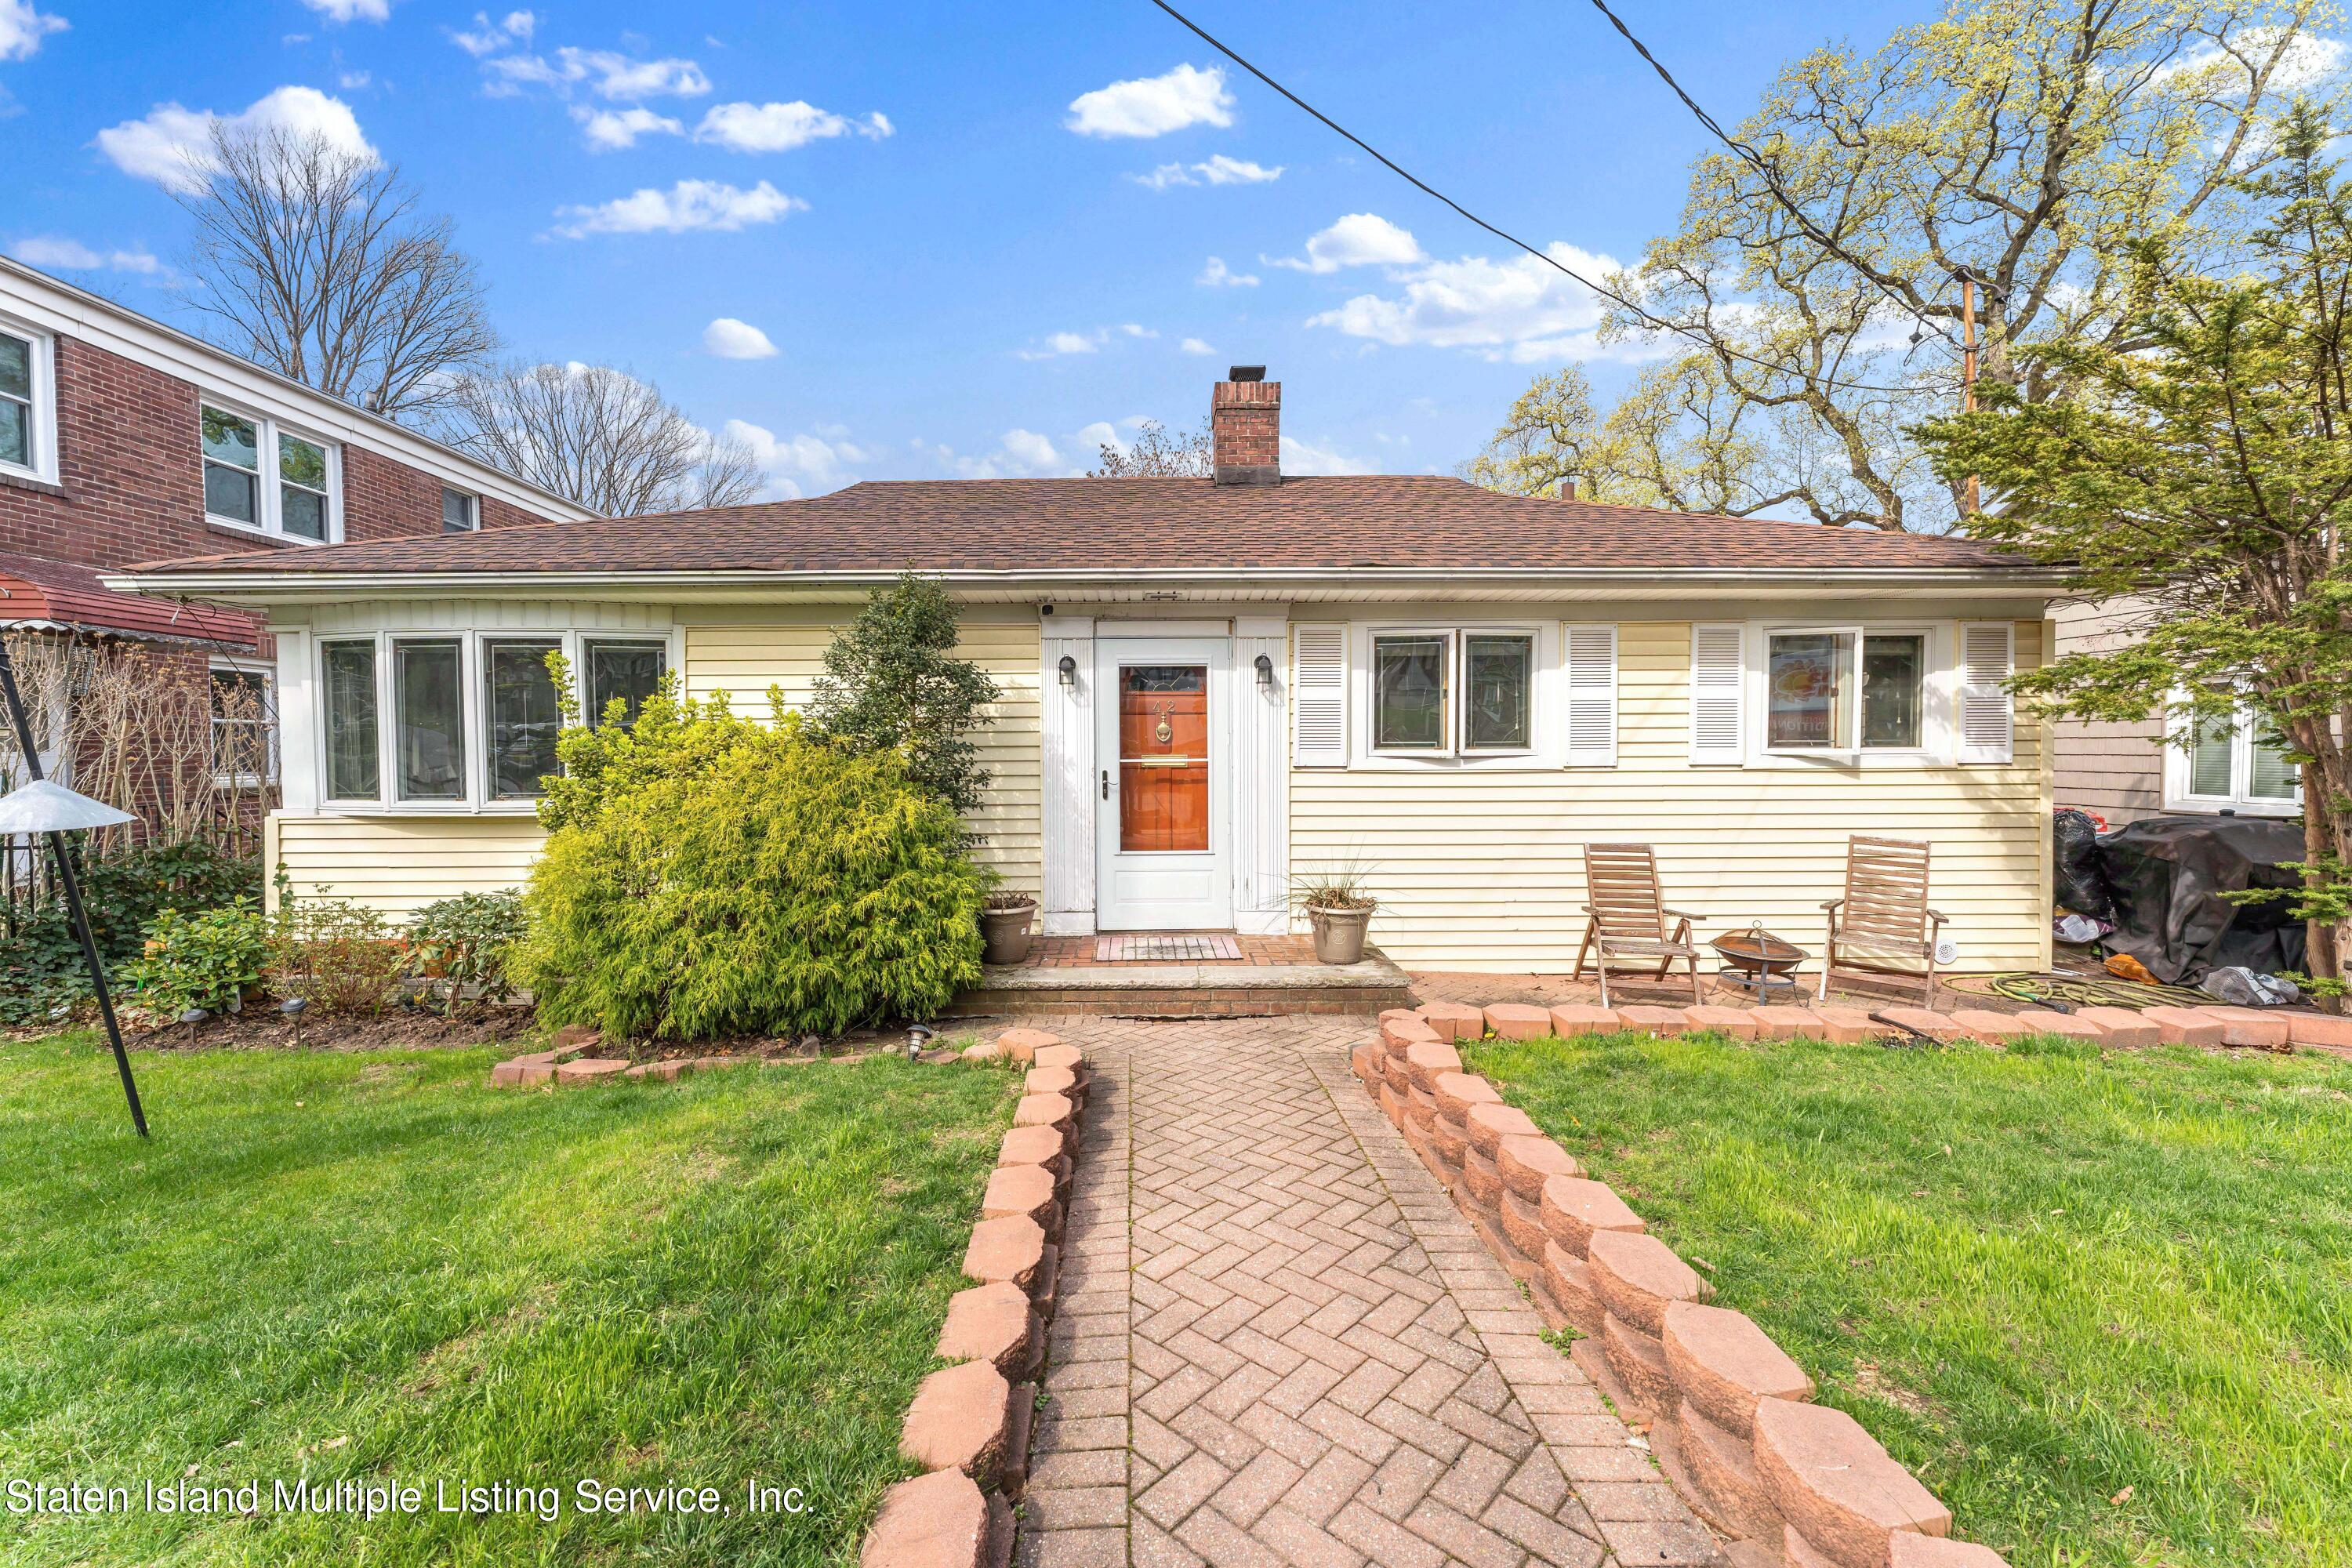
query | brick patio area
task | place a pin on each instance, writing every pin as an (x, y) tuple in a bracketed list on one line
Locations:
[(1280, 1342)]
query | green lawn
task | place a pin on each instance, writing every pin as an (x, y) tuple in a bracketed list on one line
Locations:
[(2102, 1304), (371, 1266)]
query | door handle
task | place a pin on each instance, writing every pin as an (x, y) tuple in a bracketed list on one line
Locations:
[(1105, 784)]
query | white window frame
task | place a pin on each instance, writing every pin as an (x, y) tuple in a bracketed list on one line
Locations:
[(1937, 677), (270, 522), (2180, 774), (1548, 744), (473, 508), (43, 470), (477, 800), (267, 674)]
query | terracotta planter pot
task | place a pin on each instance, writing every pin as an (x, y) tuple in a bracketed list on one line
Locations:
[(1338, 933), (1006, 933)]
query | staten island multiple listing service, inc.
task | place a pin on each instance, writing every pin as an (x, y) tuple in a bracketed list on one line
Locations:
[(376, 1498)]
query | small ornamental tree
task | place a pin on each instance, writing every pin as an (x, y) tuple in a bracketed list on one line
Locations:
[(892, 683), (2207, 469), (706, 876)]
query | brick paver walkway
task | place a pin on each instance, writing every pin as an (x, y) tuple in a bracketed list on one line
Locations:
[(1279, 1341)]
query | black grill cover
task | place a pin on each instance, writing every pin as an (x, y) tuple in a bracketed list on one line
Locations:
[(2165, 877)]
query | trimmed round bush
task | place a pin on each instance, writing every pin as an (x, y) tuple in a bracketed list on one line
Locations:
[(777, 885)]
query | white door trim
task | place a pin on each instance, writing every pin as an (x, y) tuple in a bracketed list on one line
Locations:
[(1067, 793), (1190, 891)]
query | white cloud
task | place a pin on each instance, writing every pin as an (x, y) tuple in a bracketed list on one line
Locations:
[(1153, 106), (354, 79), (1217, 274), (1195, 346), (1218, 170), (1298, 458), (1031, 449), (1059, 343), (610, 131), (688, 206), (1520, 310), (623, 78), (59, 254), (1136, 329), (351, 10), (22, 28), (172, 146), (1358, 239), (1093, 438), (805, 464), (730, 339), (781, 127), (488, 37), (1022, 454)]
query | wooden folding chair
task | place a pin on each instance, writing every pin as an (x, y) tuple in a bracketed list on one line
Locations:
[(1627, 915), (1883, 926)]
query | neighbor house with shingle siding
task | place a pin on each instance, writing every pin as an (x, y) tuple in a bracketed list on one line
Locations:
[(1212, 686)]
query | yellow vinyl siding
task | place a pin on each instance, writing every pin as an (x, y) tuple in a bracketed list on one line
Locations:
[(1484, 869), (745, 661), (398, 864)]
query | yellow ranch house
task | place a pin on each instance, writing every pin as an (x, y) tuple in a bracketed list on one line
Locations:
[(1214, 687)]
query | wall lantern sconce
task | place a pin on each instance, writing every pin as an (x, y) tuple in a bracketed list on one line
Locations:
[(1070, 668), (1265, 672)]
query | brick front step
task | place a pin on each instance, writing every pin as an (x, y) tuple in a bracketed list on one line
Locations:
[(1188, 990)]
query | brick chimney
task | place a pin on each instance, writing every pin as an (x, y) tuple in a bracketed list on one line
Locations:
[(1246, 428)]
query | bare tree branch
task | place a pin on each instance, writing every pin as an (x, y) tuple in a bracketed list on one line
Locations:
[(598, 436), (316, 263)]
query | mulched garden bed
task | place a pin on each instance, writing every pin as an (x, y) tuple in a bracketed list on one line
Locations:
[(265, 1028)]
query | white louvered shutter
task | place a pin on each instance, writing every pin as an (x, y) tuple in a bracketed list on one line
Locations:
[(1988, 657), (1591, 695), (1719, 678), (1318, 697)]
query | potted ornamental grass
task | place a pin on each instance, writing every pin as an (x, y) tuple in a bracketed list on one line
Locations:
[(1006, 925), (1339, 909)]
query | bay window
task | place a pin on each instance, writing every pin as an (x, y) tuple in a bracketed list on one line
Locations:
[(262, 479), (447, 722), (1443, 693), (1844, 690), (521, 714), (428, 717)]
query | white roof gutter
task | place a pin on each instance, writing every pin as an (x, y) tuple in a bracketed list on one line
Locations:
[(266, 587)]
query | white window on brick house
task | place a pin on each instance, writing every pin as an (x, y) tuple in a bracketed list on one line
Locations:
[(244, 724), (261, 478), (460, 512), (29, 423)]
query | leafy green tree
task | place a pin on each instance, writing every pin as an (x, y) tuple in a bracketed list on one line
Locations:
[(2206, 469), (2029, 144), (892, 683)]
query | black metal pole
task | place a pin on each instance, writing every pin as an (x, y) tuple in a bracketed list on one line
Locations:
[(71, 883)]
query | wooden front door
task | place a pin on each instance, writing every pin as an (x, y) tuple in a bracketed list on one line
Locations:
[(1162, 809)]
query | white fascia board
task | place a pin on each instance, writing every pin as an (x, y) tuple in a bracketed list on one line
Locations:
[(61, 308), (1584, 583)]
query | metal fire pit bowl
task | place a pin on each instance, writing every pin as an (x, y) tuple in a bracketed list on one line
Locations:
[(1758, 964)]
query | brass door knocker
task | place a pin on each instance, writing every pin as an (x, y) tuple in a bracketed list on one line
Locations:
[(1165, 732)]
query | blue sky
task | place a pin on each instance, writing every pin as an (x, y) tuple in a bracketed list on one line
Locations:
[(972, 237)]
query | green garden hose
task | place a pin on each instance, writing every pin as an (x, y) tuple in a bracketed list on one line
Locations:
[(2073, 990)]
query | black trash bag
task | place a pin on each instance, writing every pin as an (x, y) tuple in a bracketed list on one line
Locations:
[(2167, 876), (2074, 853)]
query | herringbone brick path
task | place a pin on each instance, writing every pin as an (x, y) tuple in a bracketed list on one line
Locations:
[(1280, 1343)]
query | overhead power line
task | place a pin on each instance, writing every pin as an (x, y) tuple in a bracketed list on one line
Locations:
[(1647, 316), (1746, 154)]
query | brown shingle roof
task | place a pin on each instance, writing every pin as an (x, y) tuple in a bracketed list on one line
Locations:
[(1015, 526)]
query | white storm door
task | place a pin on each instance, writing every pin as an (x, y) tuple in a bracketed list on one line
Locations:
[(1164, 810)]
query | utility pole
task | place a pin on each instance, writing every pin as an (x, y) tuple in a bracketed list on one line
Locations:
[(1968, 363)]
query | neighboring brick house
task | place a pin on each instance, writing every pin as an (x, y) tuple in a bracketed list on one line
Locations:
[(122, 440)]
